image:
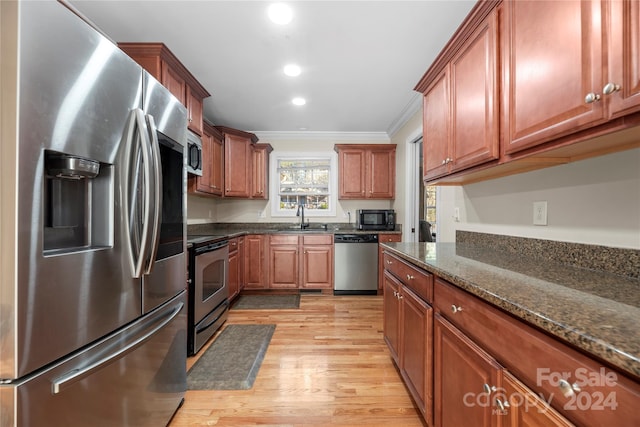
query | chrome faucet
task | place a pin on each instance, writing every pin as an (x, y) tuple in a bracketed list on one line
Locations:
[(300, 213)]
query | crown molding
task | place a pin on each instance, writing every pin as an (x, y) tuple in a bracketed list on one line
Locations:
[(322, 136), (409, 110)]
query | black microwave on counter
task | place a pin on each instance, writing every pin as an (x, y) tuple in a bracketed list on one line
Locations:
[(375, 219)]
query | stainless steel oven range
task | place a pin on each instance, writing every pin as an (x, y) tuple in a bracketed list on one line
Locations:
[(208, 296)]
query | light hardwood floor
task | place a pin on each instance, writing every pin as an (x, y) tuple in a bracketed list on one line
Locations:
[(327, 365)]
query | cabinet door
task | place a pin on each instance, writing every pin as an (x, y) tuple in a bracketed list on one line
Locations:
[(417, 346), (254, 265), (240, 263), (234, 276), (260, 163), (435, 134), (194, 111), (624, 60), (283, 266), (352, 174), (474, 95), (216, 180), (317, 267), (391, 306), (174, 82), (237, 166), (462, 372), (381, 174), (552, 53), (525, 408)]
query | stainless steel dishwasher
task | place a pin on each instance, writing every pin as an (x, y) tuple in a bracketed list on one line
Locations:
[(356, 264)]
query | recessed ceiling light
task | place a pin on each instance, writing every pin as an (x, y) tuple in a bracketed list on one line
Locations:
[(298, 101), (292, 70), (280, 13)]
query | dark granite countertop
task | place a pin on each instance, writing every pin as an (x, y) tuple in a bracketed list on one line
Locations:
[(595, 311)]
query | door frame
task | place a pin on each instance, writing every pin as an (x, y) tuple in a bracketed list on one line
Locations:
[(411, 208)]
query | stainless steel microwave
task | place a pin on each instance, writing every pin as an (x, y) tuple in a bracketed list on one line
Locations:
[(194, 154), (375, 219)]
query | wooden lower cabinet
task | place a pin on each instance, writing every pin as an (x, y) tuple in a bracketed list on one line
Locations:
[(525, 408), (235, 266), (489, 367), (408, 324), (463, 380), (301, 261), (384, 238), (255, 261)]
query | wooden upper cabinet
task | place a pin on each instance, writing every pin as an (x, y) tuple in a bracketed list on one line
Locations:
[(552, 53), (162, 64), (435, 132), (622, 87), (461, 127), (260, 171), (474, 98), (238, 161), (366, 171), (211, 181)]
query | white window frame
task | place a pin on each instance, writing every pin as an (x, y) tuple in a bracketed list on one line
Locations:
[(274, 179)]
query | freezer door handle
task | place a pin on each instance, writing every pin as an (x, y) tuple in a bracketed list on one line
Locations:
[(156, 188), (64, 381)]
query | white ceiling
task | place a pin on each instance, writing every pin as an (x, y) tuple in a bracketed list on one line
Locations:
[(360, 59)]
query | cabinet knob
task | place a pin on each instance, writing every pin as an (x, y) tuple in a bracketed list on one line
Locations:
[(591, 98), (389, 262), (455, 309), (502, 405), (410, 277), (610, 88), (567, 389), (489, 388)]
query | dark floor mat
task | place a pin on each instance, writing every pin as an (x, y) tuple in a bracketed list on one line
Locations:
[(233, 360), (267, 302)]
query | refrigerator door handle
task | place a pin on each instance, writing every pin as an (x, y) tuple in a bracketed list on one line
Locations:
[(144, 145), (64, 381), (157, 193)]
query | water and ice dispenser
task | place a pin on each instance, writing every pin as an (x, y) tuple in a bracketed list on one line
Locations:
[(78, 203)]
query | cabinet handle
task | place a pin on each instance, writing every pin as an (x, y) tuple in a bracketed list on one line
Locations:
[(610, 88), (455, 309), (389, 262), (502, 405), (444, 162), (489, 388), (591, 98), (410, 277), (567, 389), (400, 295)]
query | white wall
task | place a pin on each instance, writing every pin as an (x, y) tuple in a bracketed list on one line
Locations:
[(206, 210), (594, 201)]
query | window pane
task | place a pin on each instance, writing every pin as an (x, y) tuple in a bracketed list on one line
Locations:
[(304, 181)]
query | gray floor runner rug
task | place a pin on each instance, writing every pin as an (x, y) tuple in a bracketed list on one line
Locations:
[(267, 302), (233, 360)]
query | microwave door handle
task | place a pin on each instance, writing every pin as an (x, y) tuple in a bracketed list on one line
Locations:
[(156, 188), (145, 148)]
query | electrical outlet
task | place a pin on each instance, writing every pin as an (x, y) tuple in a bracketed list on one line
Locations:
[(540, 213), (456, 214)]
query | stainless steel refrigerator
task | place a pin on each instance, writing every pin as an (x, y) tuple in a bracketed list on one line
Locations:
[(92, 229)]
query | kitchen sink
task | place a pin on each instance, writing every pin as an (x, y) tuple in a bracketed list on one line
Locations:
[(303, 230)]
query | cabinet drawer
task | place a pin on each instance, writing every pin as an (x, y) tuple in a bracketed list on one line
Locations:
[(289, 239), (233, 245), (317, 239), (601, 396), (417, 280), (389, 238)]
